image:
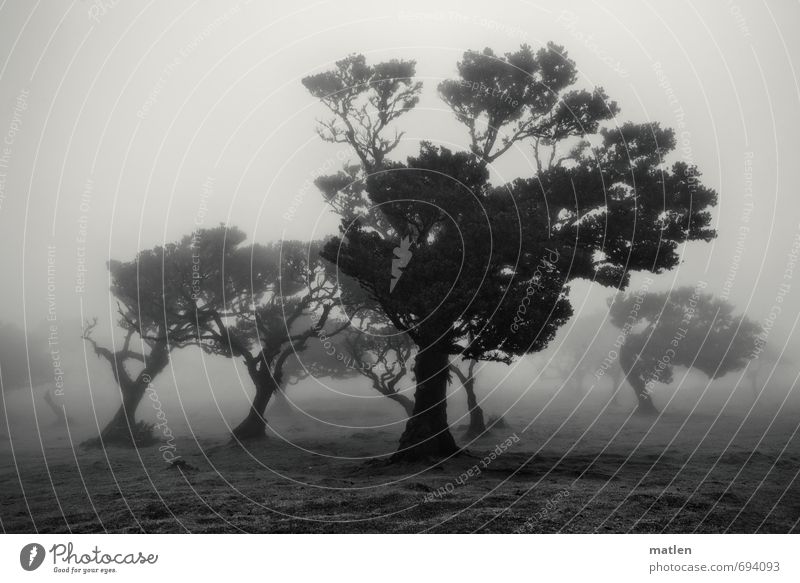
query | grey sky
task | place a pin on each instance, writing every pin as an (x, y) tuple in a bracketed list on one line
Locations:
[(158, 116)]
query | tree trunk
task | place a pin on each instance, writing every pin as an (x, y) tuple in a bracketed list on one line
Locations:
[(477, 425), (62, 418), (626, 362), (254, 425), (405, 402), (616, 378), (427, 434), (123, 429)]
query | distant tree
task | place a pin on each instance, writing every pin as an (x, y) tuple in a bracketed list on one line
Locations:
[(587, 354), (157, 314), (765, 360), (381, 354), (477, 423), (683, 327), (484, 269)]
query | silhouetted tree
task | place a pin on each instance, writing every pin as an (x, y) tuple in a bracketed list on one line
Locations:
[(586, 354), (263, 304), (381, 354), (682, 327), (154, 309), (484, 269)]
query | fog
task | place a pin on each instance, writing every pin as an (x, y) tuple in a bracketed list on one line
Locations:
[(125, 126)]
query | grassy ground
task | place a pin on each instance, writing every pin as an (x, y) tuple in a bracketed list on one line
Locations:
[(620, 475)]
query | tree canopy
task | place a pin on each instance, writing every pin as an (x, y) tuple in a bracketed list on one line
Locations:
[(489, 265), (683, 327)]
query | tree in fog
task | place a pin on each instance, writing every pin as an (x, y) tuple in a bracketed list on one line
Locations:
[(683, 327), (586, 355), (466, 379), (382, 355), (156, 314), (368, 349), (766, 360), (479, 271), (263, 304)]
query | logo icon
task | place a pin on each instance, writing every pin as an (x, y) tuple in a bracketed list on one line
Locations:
[(31, 556), (402, 255)]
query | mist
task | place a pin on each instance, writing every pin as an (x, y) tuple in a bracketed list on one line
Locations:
[(129, 130)]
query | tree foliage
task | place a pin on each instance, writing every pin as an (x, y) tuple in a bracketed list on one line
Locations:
[(683, 327)]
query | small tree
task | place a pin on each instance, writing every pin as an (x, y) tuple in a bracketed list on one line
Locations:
[(381, 354), (766, 358), (682, 327), (477, 424), (154, 309), (476, 271)]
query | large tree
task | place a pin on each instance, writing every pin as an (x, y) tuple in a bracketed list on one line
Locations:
[(683, 327), (480, 271)]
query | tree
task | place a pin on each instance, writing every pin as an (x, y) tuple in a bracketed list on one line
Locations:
[(263, 304), (766, 358), (682, 327), (477, 424), (588, 353), (484, 268), (381, 354), (154, 306)]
